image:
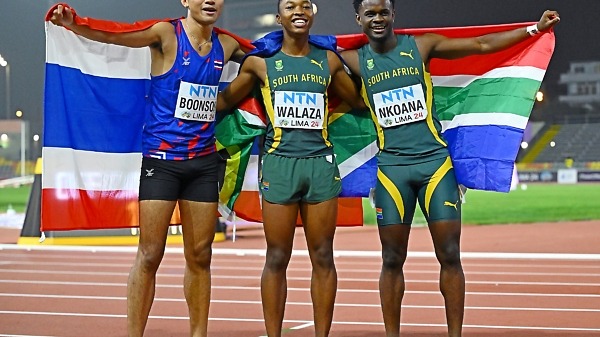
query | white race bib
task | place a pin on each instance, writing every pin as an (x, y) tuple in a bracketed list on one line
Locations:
[(196, 102), (299, 110), (400, 106)]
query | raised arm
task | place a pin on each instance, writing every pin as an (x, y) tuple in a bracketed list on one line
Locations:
[(437, 46), (252, 71), (342, 84), (153, 36)]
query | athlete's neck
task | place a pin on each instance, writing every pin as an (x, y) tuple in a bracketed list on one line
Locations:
[(200, 31), (295, 45), (384, 45)]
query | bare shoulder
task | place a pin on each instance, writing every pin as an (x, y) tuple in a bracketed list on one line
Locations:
[(164, 28), (231, 47), (228, 41), (253, 60), (428, 39), (165, 33), (351, 59), (426, 43), (334, 60), (255, 65)]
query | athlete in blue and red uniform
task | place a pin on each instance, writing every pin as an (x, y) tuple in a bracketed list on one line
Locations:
[(179, 159)]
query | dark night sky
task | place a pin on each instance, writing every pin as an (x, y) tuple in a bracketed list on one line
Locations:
[(22, 32)]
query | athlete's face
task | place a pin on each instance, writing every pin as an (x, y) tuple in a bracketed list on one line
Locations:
[(295, 16), (376, 17), (205, 12)]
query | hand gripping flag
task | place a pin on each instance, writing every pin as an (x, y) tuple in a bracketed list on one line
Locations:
[(94, 108), (95, 103)]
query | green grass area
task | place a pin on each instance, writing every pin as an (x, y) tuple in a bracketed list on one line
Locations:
[(17, 197), (537, 203)]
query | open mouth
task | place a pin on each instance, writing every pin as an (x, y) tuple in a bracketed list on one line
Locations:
[(299, 23), (378, 29), (209, 10)]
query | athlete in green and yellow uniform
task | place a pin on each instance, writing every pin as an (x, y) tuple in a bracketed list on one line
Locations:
[(299, 173), (298, 164), (413, 162), (399, 92)]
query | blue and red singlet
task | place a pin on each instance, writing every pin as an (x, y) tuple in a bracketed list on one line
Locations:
[(180, 122)]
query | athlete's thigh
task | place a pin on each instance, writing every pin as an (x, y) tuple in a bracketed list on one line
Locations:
[(395, 199), (155, 216), (319, 221), (394, 241), (198, 220), (439, 194), (279, 224)]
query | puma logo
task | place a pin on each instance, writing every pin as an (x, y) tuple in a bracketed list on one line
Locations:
[(448, 203), (407, 54), (319, 64)]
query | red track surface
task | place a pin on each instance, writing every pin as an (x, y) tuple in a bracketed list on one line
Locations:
[(522, 280)]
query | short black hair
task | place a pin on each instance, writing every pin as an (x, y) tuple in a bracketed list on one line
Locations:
[(279, 3), (357, 4)]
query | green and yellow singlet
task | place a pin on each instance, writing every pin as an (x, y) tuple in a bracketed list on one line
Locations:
[(399, 93), (295, 97)]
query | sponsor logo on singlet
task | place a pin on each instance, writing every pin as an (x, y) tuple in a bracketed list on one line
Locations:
[(196, 102), (299, 110), (400, 106)]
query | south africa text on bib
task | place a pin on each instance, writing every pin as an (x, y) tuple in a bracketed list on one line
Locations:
[(299, 110), (196, 102), (400, 106)]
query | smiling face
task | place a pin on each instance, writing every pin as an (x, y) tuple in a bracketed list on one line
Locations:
[(205, 12), (376, 17), (295, 16)]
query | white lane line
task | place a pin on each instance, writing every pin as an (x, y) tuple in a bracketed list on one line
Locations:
[(11, 335), (292, 303), (292, 269), (251, 259), (260, 320), (246, 288), (338, 253), (292, 278)]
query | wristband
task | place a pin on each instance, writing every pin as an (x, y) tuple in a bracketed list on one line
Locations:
[(533, 30)]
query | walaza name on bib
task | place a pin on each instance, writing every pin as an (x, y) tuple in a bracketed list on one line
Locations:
[(303, 110)]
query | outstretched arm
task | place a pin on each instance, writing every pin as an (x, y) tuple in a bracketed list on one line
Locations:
[(63, 16), (437, 46), (253, 69), (342, 84)]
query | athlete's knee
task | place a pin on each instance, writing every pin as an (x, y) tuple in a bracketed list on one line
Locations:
[(393, 259), (149, 257), (199, 257), (277, 259), (449, 255), (322, 257)]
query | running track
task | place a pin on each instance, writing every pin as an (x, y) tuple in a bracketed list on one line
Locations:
[(522, 280)]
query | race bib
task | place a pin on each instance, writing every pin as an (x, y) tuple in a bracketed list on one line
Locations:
[(196, 102), (299, 110), (400, 106)]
